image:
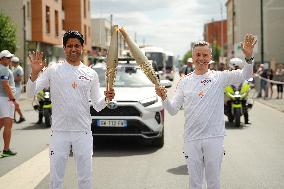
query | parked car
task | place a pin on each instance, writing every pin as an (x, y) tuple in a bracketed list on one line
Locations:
[(137, 111)]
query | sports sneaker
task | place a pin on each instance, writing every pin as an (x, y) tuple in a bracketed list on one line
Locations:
[(21, 120), (7, 153)]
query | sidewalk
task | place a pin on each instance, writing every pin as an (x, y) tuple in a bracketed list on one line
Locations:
[(277, 104)]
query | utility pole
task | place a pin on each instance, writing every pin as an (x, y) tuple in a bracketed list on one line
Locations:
[(261, 31), (111, 20), (135, 37), (222, 44), (25, 47), (233, 28)]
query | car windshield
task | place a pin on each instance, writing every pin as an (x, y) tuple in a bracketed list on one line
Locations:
[(125, 77)]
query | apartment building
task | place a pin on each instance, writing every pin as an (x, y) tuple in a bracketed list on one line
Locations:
[(245, 17), (215, 32), (77, 16), (101, 37), (41, 24)]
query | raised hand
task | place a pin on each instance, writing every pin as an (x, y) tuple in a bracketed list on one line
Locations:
[(248, 44), (37, 62), (161, 92)]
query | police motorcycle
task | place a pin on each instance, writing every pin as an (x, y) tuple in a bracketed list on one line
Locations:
[(237, 102), (42, 104)]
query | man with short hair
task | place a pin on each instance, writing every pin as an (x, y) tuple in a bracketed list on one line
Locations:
[(18, 73), (72, 84), (187, 68), (201, 93), (8, 102)]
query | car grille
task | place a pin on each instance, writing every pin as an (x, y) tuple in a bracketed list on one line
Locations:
[(133, 127), (119, 111)]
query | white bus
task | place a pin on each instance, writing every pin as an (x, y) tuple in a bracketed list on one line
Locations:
[(170, 63), (158, 57)]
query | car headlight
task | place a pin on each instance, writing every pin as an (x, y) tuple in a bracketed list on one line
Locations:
[(46, 95), (149, 101)]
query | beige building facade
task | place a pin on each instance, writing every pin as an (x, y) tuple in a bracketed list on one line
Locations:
[(245, 17), (101, 37)]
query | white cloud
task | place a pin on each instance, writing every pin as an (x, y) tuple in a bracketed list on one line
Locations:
[(169, 24)]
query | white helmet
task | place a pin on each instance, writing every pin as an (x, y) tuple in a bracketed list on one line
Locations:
[(236, 63)]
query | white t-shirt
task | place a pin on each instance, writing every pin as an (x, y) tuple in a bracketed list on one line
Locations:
[(203, 99), (71, 88)]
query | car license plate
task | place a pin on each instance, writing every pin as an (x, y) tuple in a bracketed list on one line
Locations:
[(112, 123)]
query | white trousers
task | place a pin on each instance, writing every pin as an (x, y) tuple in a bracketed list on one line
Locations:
[(82, 147), (204, 156)]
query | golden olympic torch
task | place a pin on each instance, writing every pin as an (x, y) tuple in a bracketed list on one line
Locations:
[(140, 58), (112, 60)]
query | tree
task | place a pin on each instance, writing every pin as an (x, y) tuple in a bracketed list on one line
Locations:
[(216, 51), (187, 55), (7, 34)]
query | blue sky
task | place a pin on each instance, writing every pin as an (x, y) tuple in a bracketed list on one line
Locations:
[(169, 24)]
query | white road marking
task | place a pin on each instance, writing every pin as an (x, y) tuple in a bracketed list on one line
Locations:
[(29, 174)]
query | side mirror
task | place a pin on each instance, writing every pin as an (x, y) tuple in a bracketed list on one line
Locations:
[(250, 80), (166, 83)]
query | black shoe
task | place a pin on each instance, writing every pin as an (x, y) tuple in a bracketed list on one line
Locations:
[(39, 122), (22, 119), (7, 153), (247, 123)]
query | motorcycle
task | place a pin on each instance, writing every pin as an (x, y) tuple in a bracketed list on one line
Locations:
[(42, 103), (237, 102)]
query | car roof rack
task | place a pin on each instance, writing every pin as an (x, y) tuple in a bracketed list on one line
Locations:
[(126, 60)]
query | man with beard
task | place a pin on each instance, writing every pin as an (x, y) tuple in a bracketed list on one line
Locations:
[(201, 93), (72, 84)]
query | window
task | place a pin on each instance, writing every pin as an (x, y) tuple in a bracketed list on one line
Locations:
[(85, 33), (85, 14), (28, 9), (56, 24), (47, 19), (89, 6)]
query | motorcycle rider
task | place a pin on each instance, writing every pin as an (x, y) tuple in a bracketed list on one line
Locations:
[(234, 64), (40, 99)]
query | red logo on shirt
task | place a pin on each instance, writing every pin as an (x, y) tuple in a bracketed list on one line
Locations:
[(201, 94), (74, 85)]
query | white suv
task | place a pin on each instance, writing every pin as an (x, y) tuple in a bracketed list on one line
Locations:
[(136, 111)]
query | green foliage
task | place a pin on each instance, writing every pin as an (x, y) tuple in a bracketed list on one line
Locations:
[(216, 52), (187, 55), (7, 34)]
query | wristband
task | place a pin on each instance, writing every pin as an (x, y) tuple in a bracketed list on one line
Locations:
[(13, 100), (249, 60)]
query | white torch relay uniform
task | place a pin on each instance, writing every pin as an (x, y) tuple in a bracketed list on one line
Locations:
[(71, 88), (203, 99)]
